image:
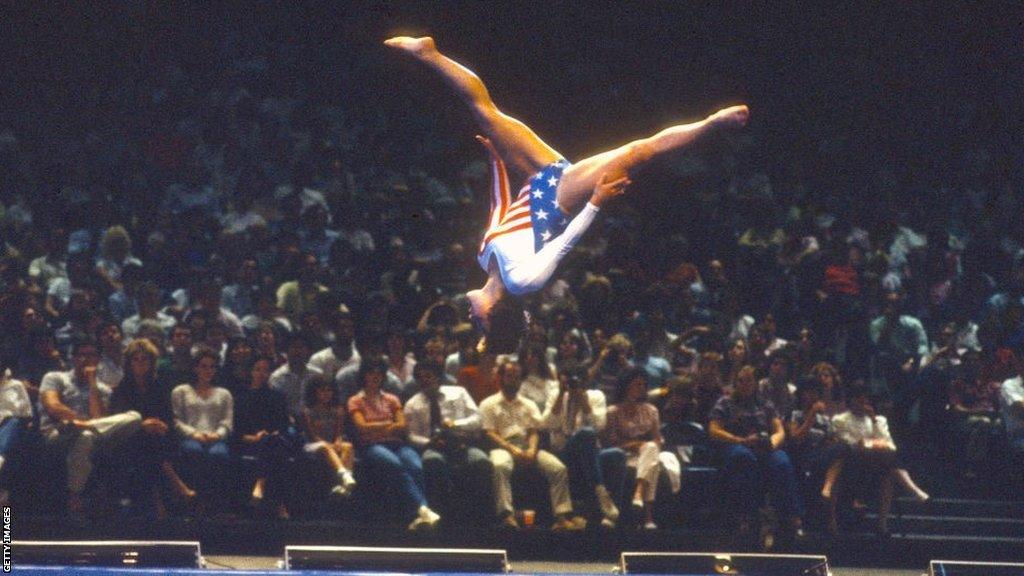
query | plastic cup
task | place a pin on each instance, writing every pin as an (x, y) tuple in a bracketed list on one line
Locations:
[(528, 517)]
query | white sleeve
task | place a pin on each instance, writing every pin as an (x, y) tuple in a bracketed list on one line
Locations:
[(533, 274), (419, 428)]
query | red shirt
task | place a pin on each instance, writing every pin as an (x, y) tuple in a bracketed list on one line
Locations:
[(842, 280)]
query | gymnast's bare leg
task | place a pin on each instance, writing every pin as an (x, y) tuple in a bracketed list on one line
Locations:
[(521, 148), (517, 145)]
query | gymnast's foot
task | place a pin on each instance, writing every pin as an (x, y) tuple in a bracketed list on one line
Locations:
[(732, 117), (416, 46)]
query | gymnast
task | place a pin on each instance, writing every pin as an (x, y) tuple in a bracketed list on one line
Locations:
[(529, 234)]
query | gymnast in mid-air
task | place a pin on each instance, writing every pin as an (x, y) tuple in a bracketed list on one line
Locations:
[(528, 234)]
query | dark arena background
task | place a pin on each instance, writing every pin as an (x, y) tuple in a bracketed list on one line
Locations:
[(198, 195)]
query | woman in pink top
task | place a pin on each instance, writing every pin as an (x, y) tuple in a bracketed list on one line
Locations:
[(380, 437), (634, 428)]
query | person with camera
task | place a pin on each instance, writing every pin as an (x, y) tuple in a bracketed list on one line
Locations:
[(576, 418), (751, 435), (444, 424)]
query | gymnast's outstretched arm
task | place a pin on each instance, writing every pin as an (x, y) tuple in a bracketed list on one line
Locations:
[(533, 274)]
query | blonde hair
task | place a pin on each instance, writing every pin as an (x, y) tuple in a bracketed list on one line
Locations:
[(142, 346)]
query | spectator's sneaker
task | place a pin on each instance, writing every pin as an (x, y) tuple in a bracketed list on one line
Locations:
[(650, 525), (348, 481), (637, 506), (340, 491), (607, 523), (425, 519), (604, 500), (509, 523)]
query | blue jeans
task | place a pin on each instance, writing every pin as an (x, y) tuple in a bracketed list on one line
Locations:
[(11, 433), (580, 456), (399, 467), (613, 471), (747, 473), (207, 465)]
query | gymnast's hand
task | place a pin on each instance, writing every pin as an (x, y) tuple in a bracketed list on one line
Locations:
[(605, 190)]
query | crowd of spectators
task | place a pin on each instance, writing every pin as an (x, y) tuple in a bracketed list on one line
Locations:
[(226, 273)]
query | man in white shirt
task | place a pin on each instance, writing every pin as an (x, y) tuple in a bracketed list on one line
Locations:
[(73, 413), (1011, 397), (511, 423), (444, 423), (342, 352), (292, 378)]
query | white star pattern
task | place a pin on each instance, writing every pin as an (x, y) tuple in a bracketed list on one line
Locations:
[(552, 181), (546, 235), (538, 194), (542, 215)]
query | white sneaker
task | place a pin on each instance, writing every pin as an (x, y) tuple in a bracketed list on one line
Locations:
[(340, 490), (426, 518), (348, 481), (650, 525), (607, 523), (604, 500)]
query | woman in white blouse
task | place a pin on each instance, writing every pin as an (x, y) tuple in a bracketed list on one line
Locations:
[(203, 418), (871, 459)]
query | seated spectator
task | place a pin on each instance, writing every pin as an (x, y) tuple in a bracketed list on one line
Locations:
[(634, 430), (115, 255), (155, 447), (296, 296), (148, 299), (111, 367), (265, 341), (901, 341), (76, 417), (539, 382), (511, 423), (576, 419), (240, 297), (974, 409), (444, 423), (121, 303), (751, 435), (573, 350), (203, 419), (1012, 402), (380, 434), (205, 299), (778, 387), (612, 363), (238, 358), (871, 456), (266, 312), (292, 378), (401, 360), (708, 383), (261, 431), (323, 420), (175, 367), (810, 442), (15, 421), (342, 352)]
